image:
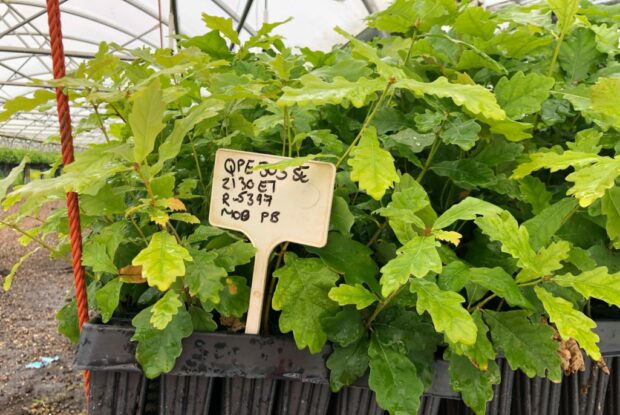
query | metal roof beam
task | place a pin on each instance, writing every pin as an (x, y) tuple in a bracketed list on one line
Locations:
[(48, 52), (27, 20), (226, 9)]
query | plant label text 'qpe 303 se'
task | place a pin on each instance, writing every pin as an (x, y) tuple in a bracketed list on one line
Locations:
[(270, 206)]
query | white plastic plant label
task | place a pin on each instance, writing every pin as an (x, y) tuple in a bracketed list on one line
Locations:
[(270, 207)]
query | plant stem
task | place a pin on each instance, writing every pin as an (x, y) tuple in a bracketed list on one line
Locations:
[(105, 133), (427, 164), (117, 112), (135, 225), (190, 137), (286, 139), (272, 287), (486, 300), (147, 184), (375, 236), (382, 305), (175, 233), (369, 117), (24, 232)]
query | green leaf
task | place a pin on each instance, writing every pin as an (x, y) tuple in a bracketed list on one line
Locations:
[(315, 91), (501, 283), (234, 297), (8, 280), (570, 323), (355, 295), (171, 146), (498, 152), (515, 239), (21, 103), (341, 217), (475, 385), (68, 324), (460, 131), (351, 258), (204, 278), (565, 10), (407, 140), (554, 162), (202, 321), (597, 283), (302, 296), (162, 261), (547, 260), (513, 332), (523, 94), (372, 166), (475, 98), (405, 204), (604, 93), (223, 25), (96, 256), (347, 364), (578, 56), (231, 256), (467, 209), (475, 21), (165, 309), (394, 379), (158, 350), (466, 173), (444, 307), (345, 327), (610, 207), (108, 298), (108, 201), (418, 257), (533, 191), (403, 15), (8, 181), (481, 353), (146, 118), (543, 227)]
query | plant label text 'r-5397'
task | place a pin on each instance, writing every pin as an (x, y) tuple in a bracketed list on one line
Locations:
[(270, 206)]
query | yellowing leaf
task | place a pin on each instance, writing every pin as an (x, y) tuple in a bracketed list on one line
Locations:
[(570, 323), (17, 104), (372, 166), (175, 204), (355, 295), (162, 261), (146, 119), (591, 182), (340, 91), (185, 217), (445, 308), (165, 309), (448, 236), (596, 283), (554, 162)]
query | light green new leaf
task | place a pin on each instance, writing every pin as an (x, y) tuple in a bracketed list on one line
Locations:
[(605, 99), (501, 283), (418, 257), (474, 384), (565, 10), (554, 162), (20, 103), (482, 352), (146, 119), (591, 182), (523, 94), (570, 323), (578, 55), (223, 25), (347, 364), (302, 296), (8, 280), (341, 218), (475, 21), (527, 346), (355, 295), (315, 91), (165, 309), (372, 166), (610, 207), (108, 298), (394, 379), (467, 209), (444, 307), (96, 256), (475, 98), (403, 15), (204, 278), (11, 177), (405, 204), (158, 350), (162, 261), (548, 260), (597, 283), (515, 240)]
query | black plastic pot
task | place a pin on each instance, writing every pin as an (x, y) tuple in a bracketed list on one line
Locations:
[(227, 375), (223, 374)]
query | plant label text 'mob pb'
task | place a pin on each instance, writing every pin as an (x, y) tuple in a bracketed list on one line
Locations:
[(270, 206)]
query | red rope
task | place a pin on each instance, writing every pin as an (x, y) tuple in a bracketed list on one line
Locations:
[(66, 140)]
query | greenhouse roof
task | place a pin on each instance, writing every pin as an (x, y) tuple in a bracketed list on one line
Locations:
[(25, 49)]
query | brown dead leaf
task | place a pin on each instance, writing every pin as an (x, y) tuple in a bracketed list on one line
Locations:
[(131, 274), (232, 323), (572, 357)]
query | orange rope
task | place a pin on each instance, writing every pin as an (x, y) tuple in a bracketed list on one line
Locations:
[(66, 140)]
